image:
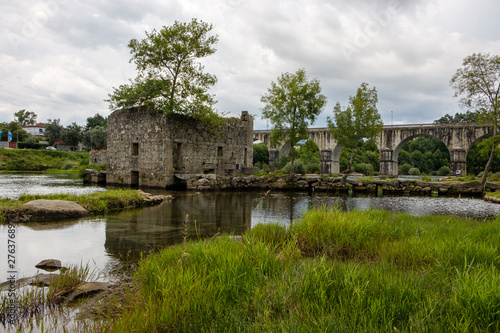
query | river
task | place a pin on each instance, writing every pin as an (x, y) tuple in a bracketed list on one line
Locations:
[(105, 241)]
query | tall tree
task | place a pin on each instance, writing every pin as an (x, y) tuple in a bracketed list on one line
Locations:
[(53, 131), (170, 79), (359, 120), (478, 81), (292, 104), (72, 135), (25, 118), (96, 138), (97, 120)]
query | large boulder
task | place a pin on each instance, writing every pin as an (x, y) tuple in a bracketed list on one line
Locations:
[(54, 209)]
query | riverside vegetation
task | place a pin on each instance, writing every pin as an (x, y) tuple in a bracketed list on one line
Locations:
[(333, 271), (94, 203), (41, 160)]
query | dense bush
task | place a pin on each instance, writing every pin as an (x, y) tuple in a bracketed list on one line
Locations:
[(404, 169), (298, 167), (444, 171), (364, 168), (414, 172)]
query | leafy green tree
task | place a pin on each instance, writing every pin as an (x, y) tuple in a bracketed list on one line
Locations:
[(359, 120), (53, 131), (260, 154), (25, 118), (96, 138), (72, 134), (291, 105), (170, 79), (478, 81), (468, 117), (97, 120)]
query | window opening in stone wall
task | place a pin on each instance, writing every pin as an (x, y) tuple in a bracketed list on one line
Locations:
[(245, 160), (135, 148), (219, 152)]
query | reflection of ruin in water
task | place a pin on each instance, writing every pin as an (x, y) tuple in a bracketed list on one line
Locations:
[(164, 225), (213, 213)]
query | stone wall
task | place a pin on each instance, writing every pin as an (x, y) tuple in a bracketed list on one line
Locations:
[(97, 157), (151, 149), (316, 183)]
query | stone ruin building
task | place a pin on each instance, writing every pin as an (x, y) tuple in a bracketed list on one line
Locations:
[(151, 149)]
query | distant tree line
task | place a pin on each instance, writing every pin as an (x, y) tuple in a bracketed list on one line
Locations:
[(93, 135)]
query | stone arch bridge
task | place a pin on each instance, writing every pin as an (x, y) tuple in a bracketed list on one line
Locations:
[(458, 138)]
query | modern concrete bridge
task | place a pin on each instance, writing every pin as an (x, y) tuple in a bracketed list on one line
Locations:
[(458, 138)]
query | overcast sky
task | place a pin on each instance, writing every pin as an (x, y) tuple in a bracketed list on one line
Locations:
[(61, 58)]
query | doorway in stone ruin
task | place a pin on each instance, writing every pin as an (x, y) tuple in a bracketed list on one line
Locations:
[(134, 179), (177, 156)]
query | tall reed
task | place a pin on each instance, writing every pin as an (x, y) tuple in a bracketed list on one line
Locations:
[(331, 272)]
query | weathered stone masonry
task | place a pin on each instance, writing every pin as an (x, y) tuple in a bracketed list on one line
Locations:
[(151, 149)]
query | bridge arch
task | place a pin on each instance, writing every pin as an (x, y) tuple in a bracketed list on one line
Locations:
[(458, 138), (400, 146)]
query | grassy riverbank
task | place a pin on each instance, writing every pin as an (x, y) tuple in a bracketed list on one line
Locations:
[(40, 160), (94, 203), (370, 271)]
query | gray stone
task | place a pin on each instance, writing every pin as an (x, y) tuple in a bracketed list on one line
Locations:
[(54, 209), (86, 289), (49, 264)]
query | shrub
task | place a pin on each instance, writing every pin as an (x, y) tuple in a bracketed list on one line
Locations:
[(414, 172), (298, 167), (280, 163), (69, 165), (312, 167), (404, 169), (364, 168), (444, 171)]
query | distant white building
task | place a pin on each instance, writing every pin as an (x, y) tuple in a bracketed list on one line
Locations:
[(35, 130)]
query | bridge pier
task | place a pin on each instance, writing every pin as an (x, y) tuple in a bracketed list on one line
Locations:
[(326, 161), (273, 156), (458, 161), (330, 163), (388, 167)]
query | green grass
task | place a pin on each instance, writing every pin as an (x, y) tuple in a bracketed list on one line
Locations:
[(40, 160), (94, 203), (369, 271)]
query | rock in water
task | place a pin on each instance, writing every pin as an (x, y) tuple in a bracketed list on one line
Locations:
[(49, 264), (54, 209)]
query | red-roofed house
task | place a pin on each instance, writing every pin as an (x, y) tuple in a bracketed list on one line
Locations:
[(35, 130)]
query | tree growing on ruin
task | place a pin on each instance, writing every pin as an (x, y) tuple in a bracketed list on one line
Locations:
[(170, 79), (291, 105), (359, 120), (478, 82)]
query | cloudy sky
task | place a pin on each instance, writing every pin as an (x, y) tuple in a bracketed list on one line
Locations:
[(61, 58)]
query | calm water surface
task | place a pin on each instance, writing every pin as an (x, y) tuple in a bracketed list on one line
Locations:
[(104, 241), (14, 185)]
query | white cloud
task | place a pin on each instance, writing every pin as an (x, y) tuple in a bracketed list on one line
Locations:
[(60, 58)]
